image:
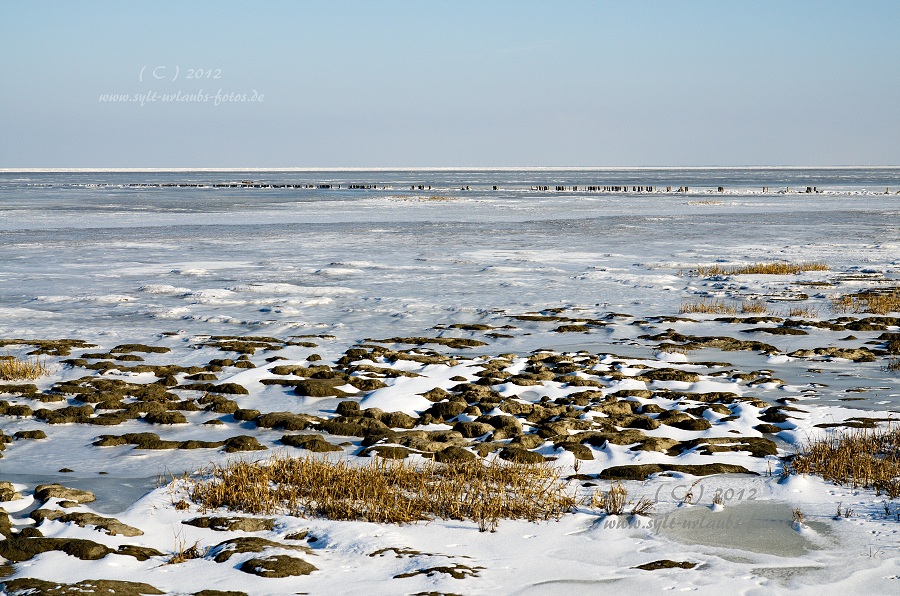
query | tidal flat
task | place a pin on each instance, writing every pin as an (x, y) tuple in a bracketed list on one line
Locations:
[(652, 362)]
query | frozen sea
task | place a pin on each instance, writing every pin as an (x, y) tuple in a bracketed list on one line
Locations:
[(132, 254)]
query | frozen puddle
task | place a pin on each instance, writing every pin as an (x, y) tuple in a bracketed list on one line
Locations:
[(764, 527), (114, 495)]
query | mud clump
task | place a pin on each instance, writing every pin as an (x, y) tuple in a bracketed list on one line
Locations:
[(165, 418), (853, 354), (30, 434), (27, 585), (8, 492), (45, 492), (453, 454), (110, 525), (642, 471), (249, 544), (670, 374), (757, 446), (232, 524), (17, 548), (243, 443), (286, 420), (314, 443), (450, 342), (665, 564), (277, 566), (320, 388)]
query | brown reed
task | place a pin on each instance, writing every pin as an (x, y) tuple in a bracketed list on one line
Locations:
[(866, 458), (870, 301), (782, 268), (387, 491), (13, 368), (708, 307)]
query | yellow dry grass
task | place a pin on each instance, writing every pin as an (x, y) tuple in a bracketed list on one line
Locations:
[(807, 312), (708, 307), (874, 302), (782, 268), (615, 501), (612, 501), (757, 308), (387, 491), (867, 458), (13, 368)]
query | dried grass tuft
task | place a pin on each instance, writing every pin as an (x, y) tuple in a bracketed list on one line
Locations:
[(387, 491), (613, 501), (807, 312), (708, 307), (13, 368), (861, 458), (760, 269), (871, 301), (758, 308)]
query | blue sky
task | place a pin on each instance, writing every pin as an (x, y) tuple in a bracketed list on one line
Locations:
[(458, 83)]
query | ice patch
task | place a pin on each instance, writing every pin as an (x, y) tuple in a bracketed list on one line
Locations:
[(163, 289)]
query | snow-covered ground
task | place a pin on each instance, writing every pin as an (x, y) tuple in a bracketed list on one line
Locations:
[(87, 256)]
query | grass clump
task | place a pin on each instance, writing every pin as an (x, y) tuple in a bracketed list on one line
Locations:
[(615, 501), (870, 301), (756, 308), (184, 553), (807, 312), (760, 269), (13, 368), (708, 307), (386, 491), (867, 458)]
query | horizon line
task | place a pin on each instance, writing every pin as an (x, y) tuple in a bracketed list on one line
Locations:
[(428, 169)]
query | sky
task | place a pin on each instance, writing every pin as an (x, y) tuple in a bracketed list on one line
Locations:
[(449, 84)]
